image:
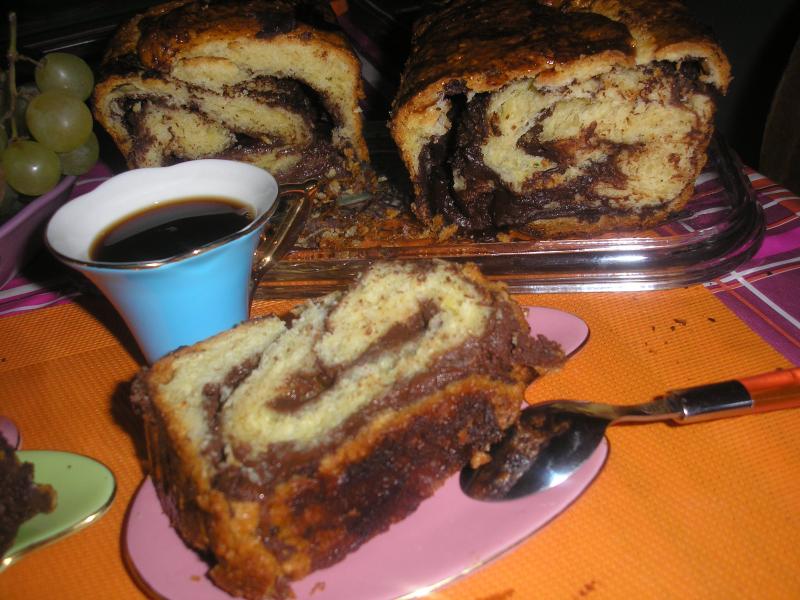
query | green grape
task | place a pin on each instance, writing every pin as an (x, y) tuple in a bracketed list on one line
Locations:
[(83, 158), (66, 73), (59, 121), (3, 138), (30, 168)]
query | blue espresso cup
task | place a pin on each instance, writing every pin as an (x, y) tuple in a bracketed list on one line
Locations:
[(182, 299)]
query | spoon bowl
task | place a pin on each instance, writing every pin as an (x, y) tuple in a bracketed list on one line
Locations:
[(551, 441), (542, 450)]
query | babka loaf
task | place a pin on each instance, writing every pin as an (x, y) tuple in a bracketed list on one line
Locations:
[(279, 447), (557, 117), (271, 82), (21, 498)]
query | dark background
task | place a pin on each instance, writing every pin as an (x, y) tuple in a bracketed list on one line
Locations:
[(758, 36)]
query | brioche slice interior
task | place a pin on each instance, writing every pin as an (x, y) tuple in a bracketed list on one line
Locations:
[(284, 444), (271, 83), (628, 142)]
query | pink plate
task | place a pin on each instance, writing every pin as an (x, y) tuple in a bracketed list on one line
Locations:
[(565, 328), (448, 536)]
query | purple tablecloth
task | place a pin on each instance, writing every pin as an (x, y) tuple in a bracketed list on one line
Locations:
[(765, 291)]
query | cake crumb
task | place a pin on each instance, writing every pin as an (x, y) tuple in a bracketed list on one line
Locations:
[(317, 587), (587, 588), (504, 595)]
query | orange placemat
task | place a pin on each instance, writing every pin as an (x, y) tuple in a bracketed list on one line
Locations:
[(696, 511)]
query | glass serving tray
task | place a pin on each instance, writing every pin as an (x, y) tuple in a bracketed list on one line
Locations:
[(720, 228)]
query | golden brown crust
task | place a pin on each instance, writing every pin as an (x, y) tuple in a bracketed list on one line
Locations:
[(167, 33), (205, 519), (488, 44), (664, 30)]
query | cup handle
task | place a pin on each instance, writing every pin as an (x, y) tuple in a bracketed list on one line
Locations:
[(273, 245)]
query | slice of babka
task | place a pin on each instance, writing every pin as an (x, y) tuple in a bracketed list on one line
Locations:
[(279, 447), (21, 498), (557, 117), (271, 82)]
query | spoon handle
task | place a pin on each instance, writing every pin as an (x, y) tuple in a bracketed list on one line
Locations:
[(775, 390)]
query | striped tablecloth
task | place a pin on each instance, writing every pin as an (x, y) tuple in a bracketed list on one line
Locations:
[(763, 292), (44, 283)]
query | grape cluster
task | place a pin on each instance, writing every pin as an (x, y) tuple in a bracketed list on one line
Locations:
[(54, 135)]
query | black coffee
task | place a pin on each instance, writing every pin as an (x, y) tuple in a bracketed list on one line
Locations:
[(169, 229)]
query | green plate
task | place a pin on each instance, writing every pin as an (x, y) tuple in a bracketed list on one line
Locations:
[(85, 490)]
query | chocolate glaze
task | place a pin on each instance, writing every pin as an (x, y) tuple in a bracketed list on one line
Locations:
[(389, 483), (286, 93), (176, 489), (318, 157), (163, 34), (300, 390), (305, 388), (292, 95), (306, 11), (121, 64), (436, 174), (134, 122), (529, 141), (317, 160), (492, 38), (213, 403)]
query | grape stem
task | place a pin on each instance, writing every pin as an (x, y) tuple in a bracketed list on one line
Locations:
[(33, 61), (12, 72), (13, 56)]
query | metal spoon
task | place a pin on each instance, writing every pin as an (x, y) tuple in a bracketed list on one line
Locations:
[(550, 441)]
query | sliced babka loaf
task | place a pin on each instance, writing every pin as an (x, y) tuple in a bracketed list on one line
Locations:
[(271, 82), (279, 447), (557, 116)]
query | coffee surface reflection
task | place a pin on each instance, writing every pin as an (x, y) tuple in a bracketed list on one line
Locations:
[(170, 229)]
